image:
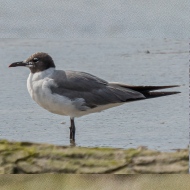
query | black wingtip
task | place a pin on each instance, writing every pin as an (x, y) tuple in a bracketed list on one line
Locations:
[(150, 88), (173, 86), (145, 88), (159, 94)]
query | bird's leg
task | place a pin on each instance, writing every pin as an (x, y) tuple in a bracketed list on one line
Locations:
[(72, 130)]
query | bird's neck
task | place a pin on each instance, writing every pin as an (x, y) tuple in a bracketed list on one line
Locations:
[(42, 74)]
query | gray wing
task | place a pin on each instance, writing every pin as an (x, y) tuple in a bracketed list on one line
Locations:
[(93, 90)]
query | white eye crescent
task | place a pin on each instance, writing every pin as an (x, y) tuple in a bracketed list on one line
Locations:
[(35, 59)]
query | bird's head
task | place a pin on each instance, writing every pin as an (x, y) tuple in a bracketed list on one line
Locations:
[(37, 62)]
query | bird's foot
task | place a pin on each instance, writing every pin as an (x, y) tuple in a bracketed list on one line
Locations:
[(72, 143)]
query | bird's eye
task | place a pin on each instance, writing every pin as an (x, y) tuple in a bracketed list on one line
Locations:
[(35, 60)]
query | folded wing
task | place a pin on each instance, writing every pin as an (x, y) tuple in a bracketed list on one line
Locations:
[(93, 90)]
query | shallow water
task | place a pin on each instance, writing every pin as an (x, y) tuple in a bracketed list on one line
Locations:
[(94, 18), (160, 123)]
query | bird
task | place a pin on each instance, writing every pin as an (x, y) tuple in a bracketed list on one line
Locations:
[(75, 93)]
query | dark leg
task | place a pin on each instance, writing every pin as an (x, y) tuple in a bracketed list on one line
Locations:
[(72, 130)]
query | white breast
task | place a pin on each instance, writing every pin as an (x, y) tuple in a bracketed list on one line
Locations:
[(36, 81), (38, 87)]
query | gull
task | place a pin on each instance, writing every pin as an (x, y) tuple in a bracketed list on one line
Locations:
[(75, 94)]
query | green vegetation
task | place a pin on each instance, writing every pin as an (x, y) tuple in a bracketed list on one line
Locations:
[(31, 158)]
